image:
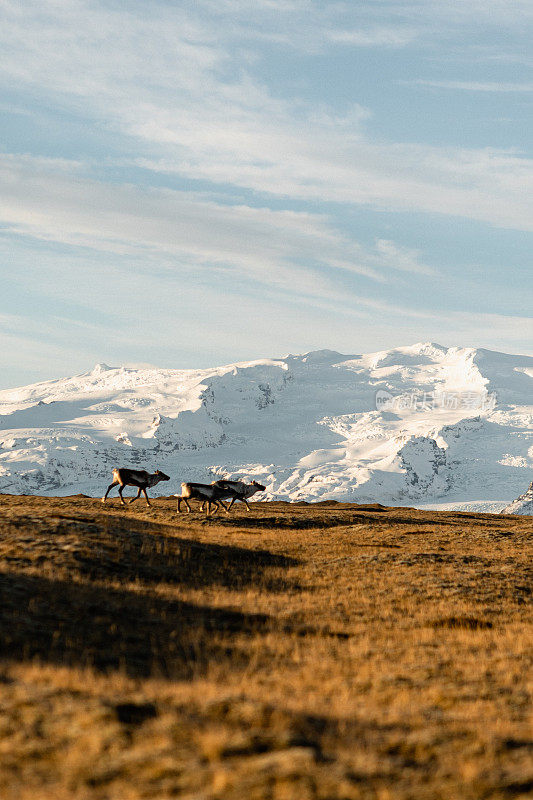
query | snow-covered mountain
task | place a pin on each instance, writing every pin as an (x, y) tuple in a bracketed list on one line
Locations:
[(419, 425), (523, 505)]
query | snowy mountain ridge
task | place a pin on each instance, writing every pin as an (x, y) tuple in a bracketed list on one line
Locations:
[(523, 505), (416, 425)]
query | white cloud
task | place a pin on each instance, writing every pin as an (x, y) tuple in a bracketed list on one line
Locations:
[(197, 113), (176, 91), (372, 37), (487, 185), (405, 259), (448, 14), (187, 232), (476, 86)]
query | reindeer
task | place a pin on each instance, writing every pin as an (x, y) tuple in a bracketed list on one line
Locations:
[(134, 477), (207, 493), (237, 490)]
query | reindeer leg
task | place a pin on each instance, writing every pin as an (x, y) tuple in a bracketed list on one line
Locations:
[(245, 501), (231, 504), (212, 503), (133, 499), (104, 498), (147, 501), (180, 500), (209, 504), (120, 490)]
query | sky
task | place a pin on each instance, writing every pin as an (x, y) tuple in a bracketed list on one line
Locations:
[(194, 183)]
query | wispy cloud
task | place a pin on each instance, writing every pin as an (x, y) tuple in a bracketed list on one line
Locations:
[(252, 157), (498, 14), (199, 114), (475, 86), (405, 259), (372, 37), (490, 185), (190, 232)]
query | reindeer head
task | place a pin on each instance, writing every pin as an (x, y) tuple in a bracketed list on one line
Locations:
[(161, 475), (258, 486)]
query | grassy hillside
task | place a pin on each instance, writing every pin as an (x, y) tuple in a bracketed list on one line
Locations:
[(294, 652)]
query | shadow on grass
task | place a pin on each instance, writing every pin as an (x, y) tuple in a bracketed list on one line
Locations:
[(77, 624), (67, 623), (62, 616), (323, 518), (137, 554), (129, 550), (296, 522)]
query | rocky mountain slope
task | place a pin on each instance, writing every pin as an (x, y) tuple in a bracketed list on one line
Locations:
[(523, 505), (417, 425)]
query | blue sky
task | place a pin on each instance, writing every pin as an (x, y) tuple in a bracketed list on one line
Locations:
[(192, 183)]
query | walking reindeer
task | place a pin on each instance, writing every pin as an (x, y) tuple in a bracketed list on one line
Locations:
[(215, 493), (135, 477), (238, 490), (204, 492)]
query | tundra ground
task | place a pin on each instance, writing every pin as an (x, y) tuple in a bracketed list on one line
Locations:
[(294, 652)]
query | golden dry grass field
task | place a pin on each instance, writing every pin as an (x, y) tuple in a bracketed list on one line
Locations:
[(293, 652)]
